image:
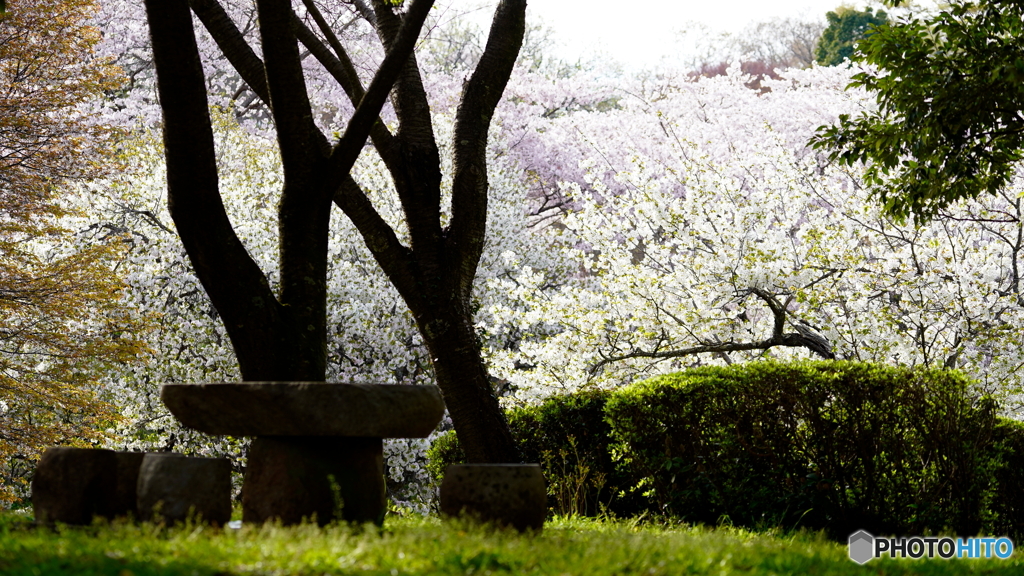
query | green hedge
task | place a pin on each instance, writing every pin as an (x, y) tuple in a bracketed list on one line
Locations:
[(833, 445), (1007, 500)]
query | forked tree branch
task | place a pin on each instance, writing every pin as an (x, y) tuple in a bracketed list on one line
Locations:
[(344, 73), (236, 285), (778, 338), (479, 99), (419, 192), (351, 143)]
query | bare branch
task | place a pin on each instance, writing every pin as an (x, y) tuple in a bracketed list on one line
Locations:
[(351, 143), (365, 11), (392, 256), (778, 310), (232, 43), (778, 338), (479, 98), (338, 64), (341, 68), (418, 192)]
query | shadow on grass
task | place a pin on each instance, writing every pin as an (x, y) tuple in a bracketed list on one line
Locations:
[(41, 563)]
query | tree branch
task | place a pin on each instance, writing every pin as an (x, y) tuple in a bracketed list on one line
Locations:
[(365, 11), (341, 68), (236, 286), (777, 308), (479, 99), (419, 180), (778, 338), (232, 43), (351, 143), (392, 256), (289, 102)]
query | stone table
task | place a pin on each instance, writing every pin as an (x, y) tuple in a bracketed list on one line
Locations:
[(318, 447)]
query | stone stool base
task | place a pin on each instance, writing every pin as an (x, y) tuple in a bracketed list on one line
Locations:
[(289, 478), (172, 487), (72, 485), (501, 494), (126, 496)]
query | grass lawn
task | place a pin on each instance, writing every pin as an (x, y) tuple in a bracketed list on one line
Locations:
[(428, 546)]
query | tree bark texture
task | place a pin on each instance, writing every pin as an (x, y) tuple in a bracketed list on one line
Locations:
[(283, 336)]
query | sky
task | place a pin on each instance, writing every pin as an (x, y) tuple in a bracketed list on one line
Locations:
[(638, 33)]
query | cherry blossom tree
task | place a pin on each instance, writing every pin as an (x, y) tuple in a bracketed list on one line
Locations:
[(705, 230), (282, 336)]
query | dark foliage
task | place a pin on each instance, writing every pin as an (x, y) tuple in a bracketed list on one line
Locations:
[(845, 28), (949, 123), (833, 445)]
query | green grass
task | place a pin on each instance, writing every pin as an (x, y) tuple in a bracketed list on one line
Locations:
[(427, 546)]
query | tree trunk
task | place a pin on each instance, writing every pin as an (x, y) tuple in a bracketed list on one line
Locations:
[(462, 376)]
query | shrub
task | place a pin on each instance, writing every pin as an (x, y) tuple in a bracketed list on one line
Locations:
[(1007, 502), (443, 451), (834, 445)]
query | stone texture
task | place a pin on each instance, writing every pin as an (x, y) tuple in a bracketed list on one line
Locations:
[(172, 487), (72, 485), (306, 409), (291, 478), (502, 494), (126, 495)]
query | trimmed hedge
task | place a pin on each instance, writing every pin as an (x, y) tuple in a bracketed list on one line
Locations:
[(1007, 502), (834, 445)]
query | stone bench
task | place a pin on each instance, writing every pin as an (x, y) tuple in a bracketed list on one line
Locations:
[(317, 448)]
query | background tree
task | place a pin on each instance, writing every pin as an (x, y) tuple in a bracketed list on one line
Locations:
[(781, 42), (949, 123), (62, 321), (846, 27), (282, 336), (774, 44), (704, 230)]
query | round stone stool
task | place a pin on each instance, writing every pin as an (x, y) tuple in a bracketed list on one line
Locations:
[(72, 485), (502, 494), (173, 487)]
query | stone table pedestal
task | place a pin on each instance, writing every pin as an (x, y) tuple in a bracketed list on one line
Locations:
[(318, 448)]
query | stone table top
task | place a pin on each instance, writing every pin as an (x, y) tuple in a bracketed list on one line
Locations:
[(306, 409)]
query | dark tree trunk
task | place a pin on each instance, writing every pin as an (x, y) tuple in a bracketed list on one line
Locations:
[(479, 421)]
